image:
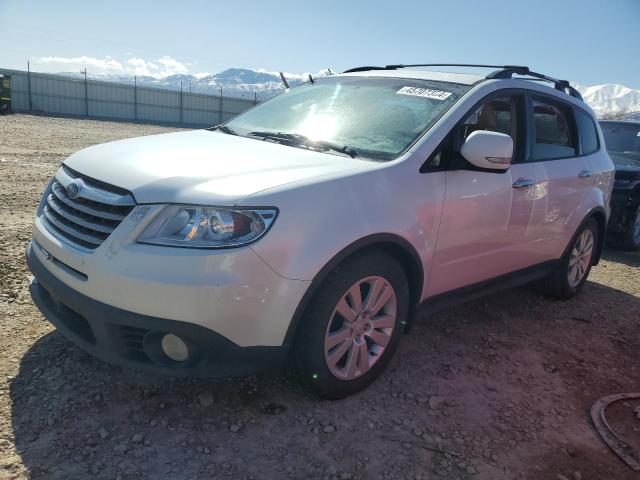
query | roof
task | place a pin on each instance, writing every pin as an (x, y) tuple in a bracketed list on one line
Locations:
[(462, 78), (503, 72)]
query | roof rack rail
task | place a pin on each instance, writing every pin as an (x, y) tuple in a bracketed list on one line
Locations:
[(400, 65), (562, 85), (504, 72)]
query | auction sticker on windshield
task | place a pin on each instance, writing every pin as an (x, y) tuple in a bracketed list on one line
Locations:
[(424, 92)]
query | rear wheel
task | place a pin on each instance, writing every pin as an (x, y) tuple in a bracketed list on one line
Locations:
[(352, 326), (569, 277)]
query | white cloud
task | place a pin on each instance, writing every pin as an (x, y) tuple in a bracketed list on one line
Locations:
[(105, 65), (160, 68)]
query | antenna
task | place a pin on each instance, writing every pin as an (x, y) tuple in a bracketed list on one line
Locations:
[(284, 80)]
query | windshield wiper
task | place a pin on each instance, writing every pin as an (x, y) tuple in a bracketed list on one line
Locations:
[(223, 129), (297, 140), (279, 136), (346, 149)]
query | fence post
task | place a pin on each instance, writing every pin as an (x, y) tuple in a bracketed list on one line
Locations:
[(86, 94), (181, 120), (135, 97), (220, 108), (29, 85)]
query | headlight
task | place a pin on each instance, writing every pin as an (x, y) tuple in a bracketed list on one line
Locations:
[(207, 227)]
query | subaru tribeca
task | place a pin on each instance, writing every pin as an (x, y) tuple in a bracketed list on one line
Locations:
[(315, 225)]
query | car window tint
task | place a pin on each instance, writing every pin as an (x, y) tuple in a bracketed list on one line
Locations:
[(588, 132), (497, 115), (554, 131), (500, 114)]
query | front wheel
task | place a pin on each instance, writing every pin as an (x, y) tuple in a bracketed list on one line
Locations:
[(572, 272), (352, 326)]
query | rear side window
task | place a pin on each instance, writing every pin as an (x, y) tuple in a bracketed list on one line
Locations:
[(555, 135), (588, 133)]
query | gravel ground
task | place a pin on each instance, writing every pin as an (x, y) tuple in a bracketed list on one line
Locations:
[(496, 389)]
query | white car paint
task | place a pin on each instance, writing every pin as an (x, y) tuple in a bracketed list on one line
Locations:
[(465, 226)]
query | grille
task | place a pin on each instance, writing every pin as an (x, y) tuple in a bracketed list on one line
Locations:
[(91, 215), (133, 342)]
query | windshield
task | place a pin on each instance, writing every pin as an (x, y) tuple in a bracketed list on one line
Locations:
[(622, 141), (378, 118)]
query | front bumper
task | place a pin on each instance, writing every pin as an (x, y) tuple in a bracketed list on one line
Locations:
[(133, 340), (232, 292)]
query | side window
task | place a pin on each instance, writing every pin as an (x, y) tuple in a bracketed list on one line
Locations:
[(588, 133), (554, 130), (499, 114)]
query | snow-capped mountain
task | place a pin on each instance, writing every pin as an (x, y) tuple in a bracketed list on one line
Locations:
[(237, 82), (611, 99), (607, 100)]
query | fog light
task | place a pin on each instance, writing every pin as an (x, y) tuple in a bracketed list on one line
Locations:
[(174, 347)]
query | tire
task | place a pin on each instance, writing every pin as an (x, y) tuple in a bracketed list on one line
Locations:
[(630, 240), (328, 341), (565, 281)]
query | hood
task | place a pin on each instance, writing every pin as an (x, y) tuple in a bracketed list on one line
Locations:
[(626, 163), (201, 166)]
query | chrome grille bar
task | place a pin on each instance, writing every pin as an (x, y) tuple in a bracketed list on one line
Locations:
[(89, 214), (70, 232), (67, 213), (92, 189), (85, 207)]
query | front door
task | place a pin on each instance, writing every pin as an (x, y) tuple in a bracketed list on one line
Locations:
[(485, 214)]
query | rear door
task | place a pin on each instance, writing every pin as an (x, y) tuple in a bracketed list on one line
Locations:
[(486, 214), (566, 174)]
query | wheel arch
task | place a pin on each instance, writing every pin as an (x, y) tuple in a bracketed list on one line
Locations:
[(600, 216), (392, 244)]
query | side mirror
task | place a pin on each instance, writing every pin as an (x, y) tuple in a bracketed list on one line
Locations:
[(489, 150)]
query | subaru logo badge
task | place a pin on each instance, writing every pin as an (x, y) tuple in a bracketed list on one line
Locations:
[(73, 189)]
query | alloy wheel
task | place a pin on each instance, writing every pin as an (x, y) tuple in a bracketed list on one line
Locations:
[(360, 327), (580, 258)]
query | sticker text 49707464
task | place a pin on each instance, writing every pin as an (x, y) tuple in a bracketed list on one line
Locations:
[(424, 92)]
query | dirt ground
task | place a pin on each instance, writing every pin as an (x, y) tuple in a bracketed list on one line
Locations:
[(496, 389)]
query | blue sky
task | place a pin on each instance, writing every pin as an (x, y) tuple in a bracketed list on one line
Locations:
[(588, 41)]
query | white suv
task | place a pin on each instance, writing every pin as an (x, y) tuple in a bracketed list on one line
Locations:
[(314, 225)]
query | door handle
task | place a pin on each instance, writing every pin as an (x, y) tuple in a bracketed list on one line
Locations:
[(522, 183), (584, 174)]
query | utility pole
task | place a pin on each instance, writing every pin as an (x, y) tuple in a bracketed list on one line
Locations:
[(29, 85), (86, 93), (135, 97), (220, 108), (180, 102), (255, 97)]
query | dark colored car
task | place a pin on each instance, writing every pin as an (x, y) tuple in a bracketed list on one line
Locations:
[(623, 144)]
